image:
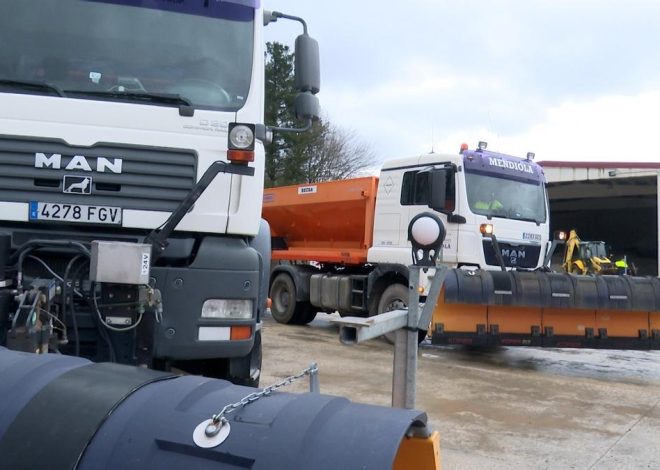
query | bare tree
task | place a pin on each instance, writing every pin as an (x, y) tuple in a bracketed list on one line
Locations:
[(338, 154), (325, 153)]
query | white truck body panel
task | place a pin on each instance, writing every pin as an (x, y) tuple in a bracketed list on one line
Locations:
[(86, 122)]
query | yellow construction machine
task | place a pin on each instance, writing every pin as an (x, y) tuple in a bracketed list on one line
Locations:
[(592, 257)]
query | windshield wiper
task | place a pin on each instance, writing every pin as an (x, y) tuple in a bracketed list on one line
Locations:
[(527, 219), (185, 105), (31, 85)]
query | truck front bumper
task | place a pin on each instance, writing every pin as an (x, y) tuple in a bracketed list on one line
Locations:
[(223, 269)]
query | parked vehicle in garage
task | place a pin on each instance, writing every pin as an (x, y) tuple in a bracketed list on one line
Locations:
[(593, 257)]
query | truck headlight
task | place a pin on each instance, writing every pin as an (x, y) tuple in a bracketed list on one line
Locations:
[(486, 230), (240, 148), (227, 308), (241, 136)]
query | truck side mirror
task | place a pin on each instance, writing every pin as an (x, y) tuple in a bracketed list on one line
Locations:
[(307, 64), (306, 106), (440, 182), (307, 77)]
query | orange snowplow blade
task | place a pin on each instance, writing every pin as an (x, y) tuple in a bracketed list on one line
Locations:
[(489, 308)]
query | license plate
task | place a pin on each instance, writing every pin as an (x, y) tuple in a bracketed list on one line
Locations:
[(75, 213)]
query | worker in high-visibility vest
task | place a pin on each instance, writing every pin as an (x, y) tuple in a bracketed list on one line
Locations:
[(621, 265), (487, 201)]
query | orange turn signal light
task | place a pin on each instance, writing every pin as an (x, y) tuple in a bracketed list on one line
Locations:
[(240, 157), (240, 332)]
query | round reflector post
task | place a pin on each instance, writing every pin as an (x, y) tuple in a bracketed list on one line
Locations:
[(426, 233)]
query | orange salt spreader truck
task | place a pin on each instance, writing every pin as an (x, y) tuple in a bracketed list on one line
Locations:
[(343, 246)]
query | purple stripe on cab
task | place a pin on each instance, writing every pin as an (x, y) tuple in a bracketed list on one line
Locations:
[(246, 3), (498, 164)]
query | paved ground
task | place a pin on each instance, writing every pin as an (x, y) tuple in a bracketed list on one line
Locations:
[(511, 408)]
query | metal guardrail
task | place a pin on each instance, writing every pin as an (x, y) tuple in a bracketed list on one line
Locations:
[(406, 324)]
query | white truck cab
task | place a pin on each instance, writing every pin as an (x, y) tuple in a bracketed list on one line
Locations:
[(139, 124), (480, 187)]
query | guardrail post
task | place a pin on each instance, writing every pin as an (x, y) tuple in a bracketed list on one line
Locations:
[(405, 350), (314, 385)]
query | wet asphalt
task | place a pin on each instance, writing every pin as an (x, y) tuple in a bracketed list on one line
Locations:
[(506, 408)]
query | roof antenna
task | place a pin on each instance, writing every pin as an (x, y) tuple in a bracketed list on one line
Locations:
[(432, 137)]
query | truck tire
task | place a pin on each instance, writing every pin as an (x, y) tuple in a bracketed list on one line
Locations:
[(247, 370), (244, 370), (285, 309), (305, 313), (395, 297)]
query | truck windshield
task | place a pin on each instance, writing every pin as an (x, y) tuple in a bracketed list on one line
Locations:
[(200, 50), (495, 196)]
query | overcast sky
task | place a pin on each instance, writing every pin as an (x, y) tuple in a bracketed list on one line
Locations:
[(567, 79)]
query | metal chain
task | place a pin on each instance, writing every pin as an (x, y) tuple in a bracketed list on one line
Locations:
[(219, 419)]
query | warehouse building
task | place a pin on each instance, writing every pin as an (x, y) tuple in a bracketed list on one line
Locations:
[(615, 202)]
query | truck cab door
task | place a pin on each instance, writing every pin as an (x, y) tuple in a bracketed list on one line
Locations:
[(390, 222), (432, 189), (444, 200)]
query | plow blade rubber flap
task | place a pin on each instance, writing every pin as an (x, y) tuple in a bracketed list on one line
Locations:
[(152, 427), (531, 289), (590, 292), (547, 309)]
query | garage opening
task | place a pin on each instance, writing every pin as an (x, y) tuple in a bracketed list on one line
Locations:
[(621, 211)]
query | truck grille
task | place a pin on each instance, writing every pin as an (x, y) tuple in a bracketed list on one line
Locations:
[(151, 178), (514, 256)]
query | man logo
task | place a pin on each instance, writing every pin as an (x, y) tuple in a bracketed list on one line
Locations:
[(514, 255), (77, 185), (77, 163)]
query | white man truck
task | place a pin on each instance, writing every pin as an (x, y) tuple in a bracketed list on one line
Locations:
[(344, 246), (131, 173)]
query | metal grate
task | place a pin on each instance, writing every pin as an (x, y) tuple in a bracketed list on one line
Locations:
[(151, 178)]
